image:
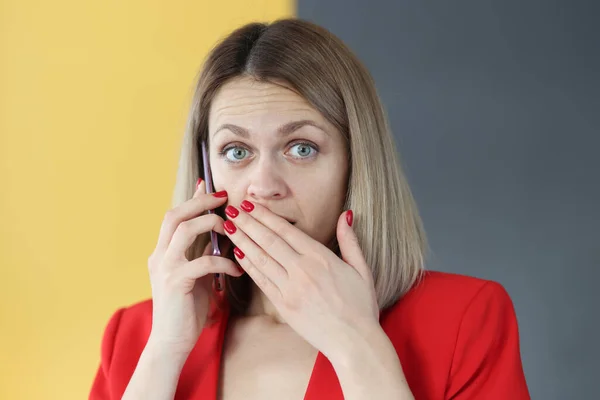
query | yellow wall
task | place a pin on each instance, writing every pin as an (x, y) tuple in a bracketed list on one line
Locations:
[(93, 99)]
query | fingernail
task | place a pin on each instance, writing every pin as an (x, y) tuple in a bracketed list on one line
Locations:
[(247, 206), (229, 227), (198, 182), (349, 217), (231, 211), (222, 193), (239, 254)]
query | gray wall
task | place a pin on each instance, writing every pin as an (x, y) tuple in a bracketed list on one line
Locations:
[(495, 108)]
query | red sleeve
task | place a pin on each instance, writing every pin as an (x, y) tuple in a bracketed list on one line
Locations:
[(101, 386), (487, 360)]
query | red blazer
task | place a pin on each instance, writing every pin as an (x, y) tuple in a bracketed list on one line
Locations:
[(456, 337)]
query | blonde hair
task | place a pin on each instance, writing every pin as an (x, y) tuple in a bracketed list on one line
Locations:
[(320, 68)]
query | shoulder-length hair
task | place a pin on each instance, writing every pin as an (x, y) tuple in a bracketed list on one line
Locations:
[(322, 69)]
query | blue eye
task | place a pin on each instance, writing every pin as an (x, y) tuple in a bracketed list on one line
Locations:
[(304, 149), (235, 154), (238, 153)]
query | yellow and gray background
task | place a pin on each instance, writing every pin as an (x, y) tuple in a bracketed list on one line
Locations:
[(494, 105)]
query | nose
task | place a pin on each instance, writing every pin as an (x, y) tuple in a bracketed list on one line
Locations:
[(266, 182)]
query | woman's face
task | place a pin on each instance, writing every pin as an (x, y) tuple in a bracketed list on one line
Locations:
[(269, 146)]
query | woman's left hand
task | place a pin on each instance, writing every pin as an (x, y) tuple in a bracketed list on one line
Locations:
[(325, 299)]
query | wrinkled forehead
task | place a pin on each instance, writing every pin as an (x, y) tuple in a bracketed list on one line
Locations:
[(258, 106)]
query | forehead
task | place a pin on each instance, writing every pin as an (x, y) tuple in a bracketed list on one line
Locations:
[(245, 101)]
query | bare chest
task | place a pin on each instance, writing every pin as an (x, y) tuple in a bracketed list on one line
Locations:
[(265, 363)]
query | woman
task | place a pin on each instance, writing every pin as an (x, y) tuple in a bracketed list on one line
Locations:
[(325, 296)]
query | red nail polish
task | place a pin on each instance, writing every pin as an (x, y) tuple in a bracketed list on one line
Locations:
[(229, 227), (222, 193), (239, 254), (198, 182), (349, 217), (231, 211), (247, 206)]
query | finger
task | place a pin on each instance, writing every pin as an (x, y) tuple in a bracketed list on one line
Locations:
[(268, 240), (191, 208), (259, 265), (350, 249), (187, 232), (200, 187), (296, 238), (264, 283), (187, 275)]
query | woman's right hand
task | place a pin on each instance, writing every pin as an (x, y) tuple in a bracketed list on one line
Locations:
[(181, 287)]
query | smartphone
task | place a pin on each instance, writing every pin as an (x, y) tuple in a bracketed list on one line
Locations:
[(218, 278)]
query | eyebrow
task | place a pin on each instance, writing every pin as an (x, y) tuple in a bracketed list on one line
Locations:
[(283, 130)]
